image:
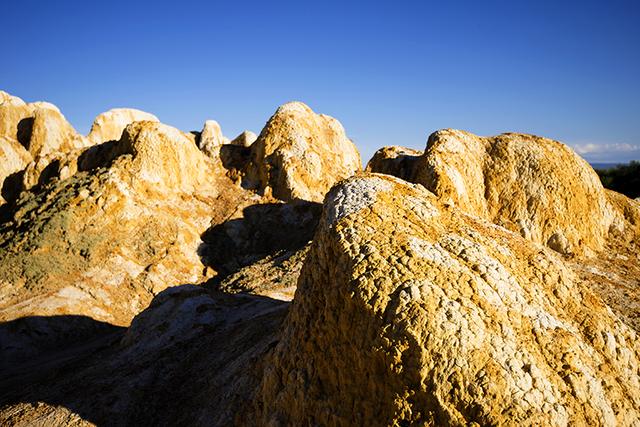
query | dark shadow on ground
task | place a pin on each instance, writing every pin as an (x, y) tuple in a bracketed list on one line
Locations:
[(192, 357), (264, 230)]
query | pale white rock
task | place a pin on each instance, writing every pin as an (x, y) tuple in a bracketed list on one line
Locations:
[(245, 139), (211, 139)]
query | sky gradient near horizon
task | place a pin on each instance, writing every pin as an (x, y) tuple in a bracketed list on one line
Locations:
[(391, 72)]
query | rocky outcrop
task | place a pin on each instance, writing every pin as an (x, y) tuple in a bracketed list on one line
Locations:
[(245, 139), (143, 282), (211, 139), (396, 161), (39, 127), (300, 155), (534, 186), (190, 350), (102, 242), (37, 134), (109, 125), (13, 159), (411, 312)]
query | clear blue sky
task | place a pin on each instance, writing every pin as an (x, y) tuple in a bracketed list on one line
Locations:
[(392, 72)]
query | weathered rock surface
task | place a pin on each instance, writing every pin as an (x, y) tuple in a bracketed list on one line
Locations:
[(109, 125), (301, 155), (411, 312), (184, 361), (102, 242), (32, 136), (410, 307), (13, 159), (535, 186)]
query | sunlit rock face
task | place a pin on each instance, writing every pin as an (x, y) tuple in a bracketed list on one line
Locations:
[(31, 136), (102, 242), (300, 154), (409, 311), (245, 139), (534, 186), (109, 125), (211, 139)]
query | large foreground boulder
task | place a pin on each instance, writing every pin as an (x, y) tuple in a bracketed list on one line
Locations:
[(300, 154), (410, 312)]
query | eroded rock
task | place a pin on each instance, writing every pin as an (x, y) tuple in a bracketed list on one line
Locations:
[(300, 154), (109, 125), (534, 186), (410, 312)]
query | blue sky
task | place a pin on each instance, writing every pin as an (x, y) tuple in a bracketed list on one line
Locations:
[(391, 72)]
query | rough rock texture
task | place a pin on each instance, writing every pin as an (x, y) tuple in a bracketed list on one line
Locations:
[(102, 242), (409, 308), (274, 276), (185, 360), (410, 312), (109, 125), (258, 231), (245, 139), (32, 136), (535, 186), (301, 155), (39, 127), (51, 133)]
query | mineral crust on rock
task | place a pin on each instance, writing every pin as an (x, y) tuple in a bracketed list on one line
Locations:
[(410, 312), (146, 276)]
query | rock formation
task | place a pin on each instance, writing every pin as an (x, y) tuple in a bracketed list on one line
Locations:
[(102, 242), (211, 139), (300, 154), (245, 139), (13, 159), (410, 312), (396, 161), (154, 277), (109, 125), (32, 135), (531, 185)]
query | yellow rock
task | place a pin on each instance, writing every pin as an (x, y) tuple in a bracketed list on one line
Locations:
[(410, 312), (109, 125), (301, 154)]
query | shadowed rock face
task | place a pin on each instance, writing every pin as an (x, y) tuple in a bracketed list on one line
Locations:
[(300, 155), (396, 161), (411, 312)]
